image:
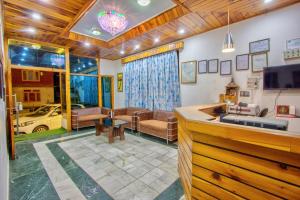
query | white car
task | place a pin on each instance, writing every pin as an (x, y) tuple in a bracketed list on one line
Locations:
[(45, 118)]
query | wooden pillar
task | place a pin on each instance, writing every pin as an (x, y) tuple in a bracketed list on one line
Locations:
[(68, 89), (9, 102), (99, 84)]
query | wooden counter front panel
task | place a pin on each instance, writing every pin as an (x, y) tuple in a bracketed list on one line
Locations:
[(219, 168)]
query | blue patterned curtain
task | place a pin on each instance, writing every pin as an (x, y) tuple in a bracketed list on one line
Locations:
[(153, 82)]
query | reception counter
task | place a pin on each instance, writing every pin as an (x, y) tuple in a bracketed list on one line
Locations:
[(225, 161)]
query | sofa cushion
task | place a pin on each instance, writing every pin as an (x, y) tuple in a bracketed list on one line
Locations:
[(126, 118), (162, 115), (155, 125)]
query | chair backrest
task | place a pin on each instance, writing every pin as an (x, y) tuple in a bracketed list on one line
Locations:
[(162, 115), (132, 110), (87, 111)]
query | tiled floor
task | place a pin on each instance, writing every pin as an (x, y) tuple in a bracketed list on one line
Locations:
[(84, 166)]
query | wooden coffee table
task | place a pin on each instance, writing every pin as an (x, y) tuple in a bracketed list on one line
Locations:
[(97, 118), (116, 130)]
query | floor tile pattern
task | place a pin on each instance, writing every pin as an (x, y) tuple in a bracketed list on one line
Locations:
[(132, 169), (83, 166)]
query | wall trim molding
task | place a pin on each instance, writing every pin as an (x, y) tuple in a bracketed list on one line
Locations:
[(155, 51)]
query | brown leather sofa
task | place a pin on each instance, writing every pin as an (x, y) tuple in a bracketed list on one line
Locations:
[(128, 115), (162, 124), (87, 111)]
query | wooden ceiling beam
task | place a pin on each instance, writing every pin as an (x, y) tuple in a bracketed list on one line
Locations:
[(39, 8), (166, 17), (79, 15)]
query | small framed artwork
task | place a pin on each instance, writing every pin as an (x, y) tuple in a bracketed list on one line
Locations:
[(259, 46), (225, 67), (189, 72), (213, 66), (120, 82), (293, 44), (259, 62), (242, 62), (202, 66)]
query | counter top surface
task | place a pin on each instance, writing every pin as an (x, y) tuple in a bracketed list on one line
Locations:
[(199, 118), (196, 113)]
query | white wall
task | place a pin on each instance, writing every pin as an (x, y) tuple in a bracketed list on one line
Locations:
[(109, 67), (279, 26), (3, 154)]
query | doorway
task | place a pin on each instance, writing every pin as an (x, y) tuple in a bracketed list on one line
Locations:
[(107, 91)]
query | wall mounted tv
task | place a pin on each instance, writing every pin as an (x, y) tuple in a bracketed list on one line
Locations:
[(282, 77)]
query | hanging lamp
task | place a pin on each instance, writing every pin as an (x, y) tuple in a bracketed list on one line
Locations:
[(228, 45)]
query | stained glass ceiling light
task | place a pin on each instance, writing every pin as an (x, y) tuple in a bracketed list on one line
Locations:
[(112, 22)]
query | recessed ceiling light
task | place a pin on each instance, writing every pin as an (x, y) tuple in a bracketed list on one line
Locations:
[(137, 46), (156, 40), (268, 1), (23, 54), (36, 46), (36, 16), (95, 31), (144, 2), (87, 44), (181, 31), (25, 48), (22, 59), (30, 30), (122, 52)]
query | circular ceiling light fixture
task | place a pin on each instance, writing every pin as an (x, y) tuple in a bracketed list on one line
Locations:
[(95, 31), (144, 2), (112, 22)]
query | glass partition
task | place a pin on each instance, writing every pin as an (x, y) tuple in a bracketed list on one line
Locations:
[(84, 91), (83, 65), (35, 55)]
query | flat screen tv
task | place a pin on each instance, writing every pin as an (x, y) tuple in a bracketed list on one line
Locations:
[(282, 77)]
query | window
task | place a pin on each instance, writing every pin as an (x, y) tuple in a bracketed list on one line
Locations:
[(23, 55), (84, 91), (28, 75), (83, 65), (32, 96)]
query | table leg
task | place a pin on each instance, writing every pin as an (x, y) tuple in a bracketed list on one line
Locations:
[(122, 136), (111, 135), (99, 127)]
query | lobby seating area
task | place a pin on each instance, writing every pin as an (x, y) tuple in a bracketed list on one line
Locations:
[(162, 124), (149, 100)]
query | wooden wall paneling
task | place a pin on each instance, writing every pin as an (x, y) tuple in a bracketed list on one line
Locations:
[(289, 158), (276, 170), (238, 180), (198, 194), (213, 189), (68, 89)]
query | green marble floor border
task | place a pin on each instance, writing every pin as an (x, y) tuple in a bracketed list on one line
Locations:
[(89, 188)]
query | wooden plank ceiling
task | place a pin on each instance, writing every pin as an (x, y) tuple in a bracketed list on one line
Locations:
[(58, 17)]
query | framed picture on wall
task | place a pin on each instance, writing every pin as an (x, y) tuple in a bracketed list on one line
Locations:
[(213, 66), (189, 72), (293, 44), (259, 46), (259, 62), (120, 82), (202, 67), (242, 62), (225, 67)]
